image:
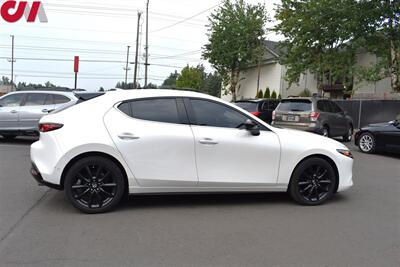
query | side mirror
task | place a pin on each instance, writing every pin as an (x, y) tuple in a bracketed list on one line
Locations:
[(252, 127)]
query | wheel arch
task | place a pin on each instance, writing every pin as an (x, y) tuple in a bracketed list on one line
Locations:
[(321, 156), (98, 154)]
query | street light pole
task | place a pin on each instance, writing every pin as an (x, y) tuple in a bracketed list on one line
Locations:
[(126, 68), (137, 51), (146, 63), (12, 60)]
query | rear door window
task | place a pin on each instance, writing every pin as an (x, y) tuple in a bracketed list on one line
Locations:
[(160, 110), (299, 105), (35, 99)]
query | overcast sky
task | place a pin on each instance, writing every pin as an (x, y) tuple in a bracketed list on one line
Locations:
[(101, 31)]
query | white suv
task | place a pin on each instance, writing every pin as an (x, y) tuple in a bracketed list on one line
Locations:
[(21, 111)]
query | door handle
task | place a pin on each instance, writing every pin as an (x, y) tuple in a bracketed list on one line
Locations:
[(13, 111), (128, 136), (47, 110), (208, 141)]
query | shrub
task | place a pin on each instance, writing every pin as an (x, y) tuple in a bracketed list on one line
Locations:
[(273, 95), (267, 93)]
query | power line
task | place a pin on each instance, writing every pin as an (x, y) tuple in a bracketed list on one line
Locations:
[(186, 19)]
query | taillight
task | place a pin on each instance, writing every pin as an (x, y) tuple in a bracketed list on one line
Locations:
[(314, 116), (273, 115), (256, 113), (47, 127)]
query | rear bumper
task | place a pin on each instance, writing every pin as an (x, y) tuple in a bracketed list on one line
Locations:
[(38, 177), (313, 127)]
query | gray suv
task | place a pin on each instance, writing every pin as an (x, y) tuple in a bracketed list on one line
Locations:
[(21, 111), (316, 115)]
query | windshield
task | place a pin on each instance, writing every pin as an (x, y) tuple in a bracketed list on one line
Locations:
[(295, 105), (249, 106)]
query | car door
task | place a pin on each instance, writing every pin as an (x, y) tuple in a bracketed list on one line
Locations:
[(389, 138), (9, 111), (226, 155), (156, 141), (35, 106)]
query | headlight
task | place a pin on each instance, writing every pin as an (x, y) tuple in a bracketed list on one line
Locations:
[(345, 152)]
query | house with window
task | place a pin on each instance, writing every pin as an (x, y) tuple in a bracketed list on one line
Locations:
[(270, 73)]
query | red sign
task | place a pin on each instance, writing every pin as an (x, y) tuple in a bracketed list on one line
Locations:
[(12, 11), (76, 64)]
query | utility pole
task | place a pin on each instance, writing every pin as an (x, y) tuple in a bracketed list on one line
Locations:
[(137, 51), (12, 60), (126, 68), (146, 63)]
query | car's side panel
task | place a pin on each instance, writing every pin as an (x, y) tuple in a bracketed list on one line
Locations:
[(159, 154), (237, 157)]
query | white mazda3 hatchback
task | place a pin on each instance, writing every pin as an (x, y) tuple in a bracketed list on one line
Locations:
[(171, 141)]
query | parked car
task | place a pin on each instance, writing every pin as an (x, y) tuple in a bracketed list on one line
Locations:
[(261, 108), (378, 137), (321, 116), (173, 141), (20, 111)]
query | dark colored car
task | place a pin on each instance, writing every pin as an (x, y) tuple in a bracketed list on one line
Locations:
[(312, 114), (261, 108), (384, 137)]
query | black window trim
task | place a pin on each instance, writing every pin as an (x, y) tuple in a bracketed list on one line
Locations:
[(182, 113), (193, 121)]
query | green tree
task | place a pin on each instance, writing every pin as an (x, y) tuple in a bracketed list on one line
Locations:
[(213, 84), (101, 89), (267, 93), (235, 39), (259, 94), (320, 37), (5, 81), (151, 86), (279, 96), (273, 95), (170, 82), (379, 33), (190, 78)]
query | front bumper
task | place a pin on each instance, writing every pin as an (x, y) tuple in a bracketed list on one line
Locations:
[(38, 177)]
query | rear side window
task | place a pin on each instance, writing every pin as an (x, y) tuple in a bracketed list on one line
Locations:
[(12, 100), (160, 110), (335, 108), (249, 106), (35, 100), (295, 105), (60, 99), (322, 106)]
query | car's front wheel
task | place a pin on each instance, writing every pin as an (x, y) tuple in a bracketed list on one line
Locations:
[(94, 184), (313, 182)]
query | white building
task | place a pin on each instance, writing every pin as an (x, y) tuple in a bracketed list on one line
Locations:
[(271, 74)]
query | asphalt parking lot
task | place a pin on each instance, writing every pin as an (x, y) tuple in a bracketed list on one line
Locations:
[(360, 227)]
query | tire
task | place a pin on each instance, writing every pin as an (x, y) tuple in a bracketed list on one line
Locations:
[(313, 182), (349, 135), (325, 131), (367, 143), (9, 137), (94, 184)]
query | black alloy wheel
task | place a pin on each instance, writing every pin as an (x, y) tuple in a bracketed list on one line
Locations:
[(349, 135), (313, 182), (94, 184)]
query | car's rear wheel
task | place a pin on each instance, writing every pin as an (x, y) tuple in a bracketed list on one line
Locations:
[(349, 135), (313, 182), (366, 143), (94, 184)]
